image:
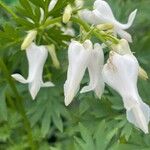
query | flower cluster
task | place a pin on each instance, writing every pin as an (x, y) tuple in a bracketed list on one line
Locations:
[(120, 72)]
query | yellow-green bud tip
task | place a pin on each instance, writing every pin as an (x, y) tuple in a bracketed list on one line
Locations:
[(28, 39)]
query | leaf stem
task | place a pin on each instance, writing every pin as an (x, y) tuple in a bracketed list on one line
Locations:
[(19, 103), (4, 6)]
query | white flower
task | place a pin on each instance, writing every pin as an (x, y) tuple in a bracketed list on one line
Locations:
[(102, 14), (121, 73), (95, 66), (36, 56), (81, 57)]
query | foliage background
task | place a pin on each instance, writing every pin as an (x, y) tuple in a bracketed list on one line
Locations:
[(88, 123)]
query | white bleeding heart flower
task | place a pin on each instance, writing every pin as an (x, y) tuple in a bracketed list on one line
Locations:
[(36, 56), (121, 73), (81, 57), (102, 14), (95, 66)]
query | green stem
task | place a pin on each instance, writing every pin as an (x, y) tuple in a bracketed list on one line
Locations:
[(50, 22), (4, 6), (19, 103), (102, 36)]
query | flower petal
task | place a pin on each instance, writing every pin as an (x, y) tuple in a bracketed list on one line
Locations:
[(121, 73), (139, 116), (89, 17), (103, 7), (19, 78), (78, 58), (124, 35), (95, 66)]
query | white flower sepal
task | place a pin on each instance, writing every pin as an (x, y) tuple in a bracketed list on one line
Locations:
[(123, 48), (121, 73), (81, 57), (95, 66), (102, 14), (36, 56)]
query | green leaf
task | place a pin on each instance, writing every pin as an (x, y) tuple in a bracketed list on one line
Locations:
[(3, 106), (46, 121)]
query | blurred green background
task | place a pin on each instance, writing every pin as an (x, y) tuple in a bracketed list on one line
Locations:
[(88, 123)]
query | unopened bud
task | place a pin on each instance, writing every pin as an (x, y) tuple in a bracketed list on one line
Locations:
[(143, 74), (79, 3), (67, 14), (106, 26), (28, 39), (52, 52)]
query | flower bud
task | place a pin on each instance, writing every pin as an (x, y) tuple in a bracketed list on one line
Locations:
[(67, 14), (28, 39), (52, 52), (143, 74), (106, 26), (79, 3)]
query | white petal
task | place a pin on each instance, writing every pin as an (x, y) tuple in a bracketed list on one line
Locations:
[(130, 21), (95, 66), (34, 88), (78, 58), (19, 78), (103, 7), (89, 17), (139, 116), (121, 73), (124, 35)]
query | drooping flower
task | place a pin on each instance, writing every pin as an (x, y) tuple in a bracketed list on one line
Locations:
[(81, 57), (36, 56), (95, 66), (121, 73), (102, 14)]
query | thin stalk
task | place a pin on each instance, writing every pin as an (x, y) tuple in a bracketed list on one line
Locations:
[(50, 22), (4, 6), (19, 103)]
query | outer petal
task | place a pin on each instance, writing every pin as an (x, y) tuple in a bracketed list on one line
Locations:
[(121, 73), (103, 7), (95, 66), (19, 78), (89, 17), (78, 58), (124, 35)]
